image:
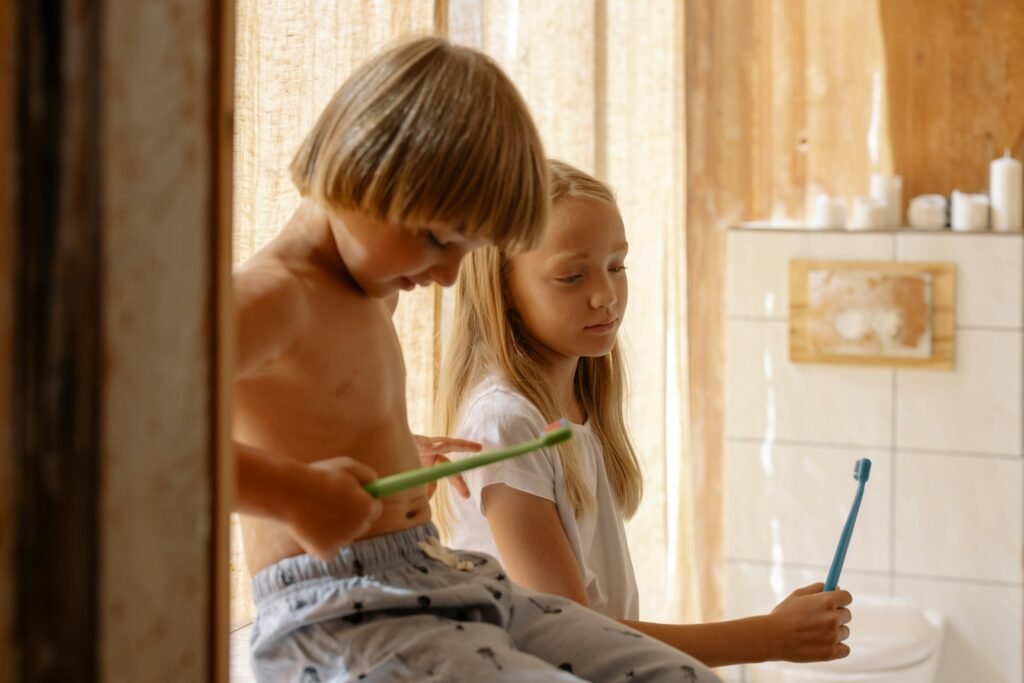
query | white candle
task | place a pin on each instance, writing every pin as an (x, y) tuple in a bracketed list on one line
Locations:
[(969, 212), (927, 212), (888, 191), (829, 212), (868, 214), (1006, 187)]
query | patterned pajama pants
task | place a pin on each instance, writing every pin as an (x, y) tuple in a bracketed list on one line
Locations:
[(401, 607)]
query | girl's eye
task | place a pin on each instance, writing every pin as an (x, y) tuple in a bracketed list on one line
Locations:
[(618, 269), (432, 239), (569, 279)]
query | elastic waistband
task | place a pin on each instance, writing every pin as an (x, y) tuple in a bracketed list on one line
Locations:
[(361, 557)]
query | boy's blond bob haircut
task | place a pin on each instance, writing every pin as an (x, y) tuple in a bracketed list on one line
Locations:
[(430, 135)]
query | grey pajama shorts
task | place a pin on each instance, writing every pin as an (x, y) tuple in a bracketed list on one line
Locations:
[(401, 607)]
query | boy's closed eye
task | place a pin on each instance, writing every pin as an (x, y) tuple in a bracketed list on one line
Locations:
[(434, 240), (569, 279)]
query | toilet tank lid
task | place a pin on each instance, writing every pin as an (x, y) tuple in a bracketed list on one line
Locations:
[(884, 635)]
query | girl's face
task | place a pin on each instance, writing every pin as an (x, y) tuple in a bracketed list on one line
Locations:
[(571, 291)]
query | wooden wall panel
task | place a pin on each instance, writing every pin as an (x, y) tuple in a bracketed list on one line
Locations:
[(956, 90), (162, 224), (55, 363), (7, 213)]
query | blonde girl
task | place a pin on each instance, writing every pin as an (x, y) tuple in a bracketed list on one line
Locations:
[(534, 337)]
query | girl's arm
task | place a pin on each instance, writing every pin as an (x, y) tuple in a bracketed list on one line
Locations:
[(521, 523), (807, 626)]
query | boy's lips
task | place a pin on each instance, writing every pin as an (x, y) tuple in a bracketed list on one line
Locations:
[(406, 284)]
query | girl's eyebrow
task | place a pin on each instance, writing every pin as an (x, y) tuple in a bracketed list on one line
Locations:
[(582, 255)]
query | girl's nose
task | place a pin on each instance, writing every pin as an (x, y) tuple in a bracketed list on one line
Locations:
[(604, 295)]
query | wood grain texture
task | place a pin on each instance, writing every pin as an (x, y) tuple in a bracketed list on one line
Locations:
[(222, 345), (956, 90), (160, 176), (943, 313), (8, 524), (56, 364)]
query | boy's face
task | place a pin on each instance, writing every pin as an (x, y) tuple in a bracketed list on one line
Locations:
[(384, 258), (571, 291)]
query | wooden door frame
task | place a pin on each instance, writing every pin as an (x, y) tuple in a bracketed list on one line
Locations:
[(115, 213)]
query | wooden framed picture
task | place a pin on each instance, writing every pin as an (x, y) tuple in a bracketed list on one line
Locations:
[(872, 313)]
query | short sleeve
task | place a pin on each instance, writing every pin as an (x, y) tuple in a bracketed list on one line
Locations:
[(497, 419)]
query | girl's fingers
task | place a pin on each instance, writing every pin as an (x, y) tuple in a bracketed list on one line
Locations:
[(459, 484)]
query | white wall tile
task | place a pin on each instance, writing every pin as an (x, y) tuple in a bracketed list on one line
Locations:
[(983, 628), (989, 272), (768, 397), (755, 588), (958, 516), (788, 503), (757, 266), (974, 408)]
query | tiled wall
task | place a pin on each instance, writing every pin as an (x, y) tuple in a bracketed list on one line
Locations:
[(942, 523)]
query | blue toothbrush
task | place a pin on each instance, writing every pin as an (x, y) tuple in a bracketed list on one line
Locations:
[(861, 471)]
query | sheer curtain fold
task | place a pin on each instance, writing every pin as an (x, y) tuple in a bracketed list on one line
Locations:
[(603, 79)]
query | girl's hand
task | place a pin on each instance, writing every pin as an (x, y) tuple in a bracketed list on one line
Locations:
[(810, 625), (328, 508), (432, 450)]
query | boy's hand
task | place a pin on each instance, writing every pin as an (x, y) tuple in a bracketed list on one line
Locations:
[(432, 451), (330, 509), (810, 625)]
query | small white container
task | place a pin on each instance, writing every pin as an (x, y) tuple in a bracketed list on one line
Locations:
[(969, 212), (829, 213), (927, 212), (868, 214)]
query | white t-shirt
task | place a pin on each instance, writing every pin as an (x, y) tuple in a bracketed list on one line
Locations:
[(495, 415)]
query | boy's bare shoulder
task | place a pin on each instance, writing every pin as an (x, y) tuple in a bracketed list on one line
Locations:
[(268, 284), (271, 309)]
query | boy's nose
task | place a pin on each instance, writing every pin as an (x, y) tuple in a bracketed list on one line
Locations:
[(445, 274)]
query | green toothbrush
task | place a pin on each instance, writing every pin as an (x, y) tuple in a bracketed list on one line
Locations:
[(554, 433)]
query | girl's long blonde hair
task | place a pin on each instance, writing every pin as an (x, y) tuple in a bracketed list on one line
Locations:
[(488, 338)]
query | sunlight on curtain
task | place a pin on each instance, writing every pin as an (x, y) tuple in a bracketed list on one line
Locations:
[(291, 56), (603, 79)]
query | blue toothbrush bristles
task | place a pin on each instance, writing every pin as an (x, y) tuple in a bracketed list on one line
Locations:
[(862, 469)]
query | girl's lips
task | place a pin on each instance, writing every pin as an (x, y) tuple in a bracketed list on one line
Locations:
[(407, 284), (603, 328)]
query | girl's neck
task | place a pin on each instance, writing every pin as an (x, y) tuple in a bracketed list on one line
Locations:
[(562, 372)]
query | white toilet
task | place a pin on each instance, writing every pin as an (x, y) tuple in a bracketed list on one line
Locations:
[(890, 642)]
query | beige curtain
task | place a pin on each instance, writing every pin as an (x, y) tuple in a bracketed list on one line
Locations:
[(603, 79)]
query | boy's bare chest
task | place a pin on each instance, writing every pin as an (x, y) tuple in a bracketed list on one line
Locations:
[(351, 358), (339, 385)]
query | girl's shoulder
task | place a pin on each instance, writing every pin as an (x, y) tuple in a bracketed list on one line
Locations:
[(494, 400)]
